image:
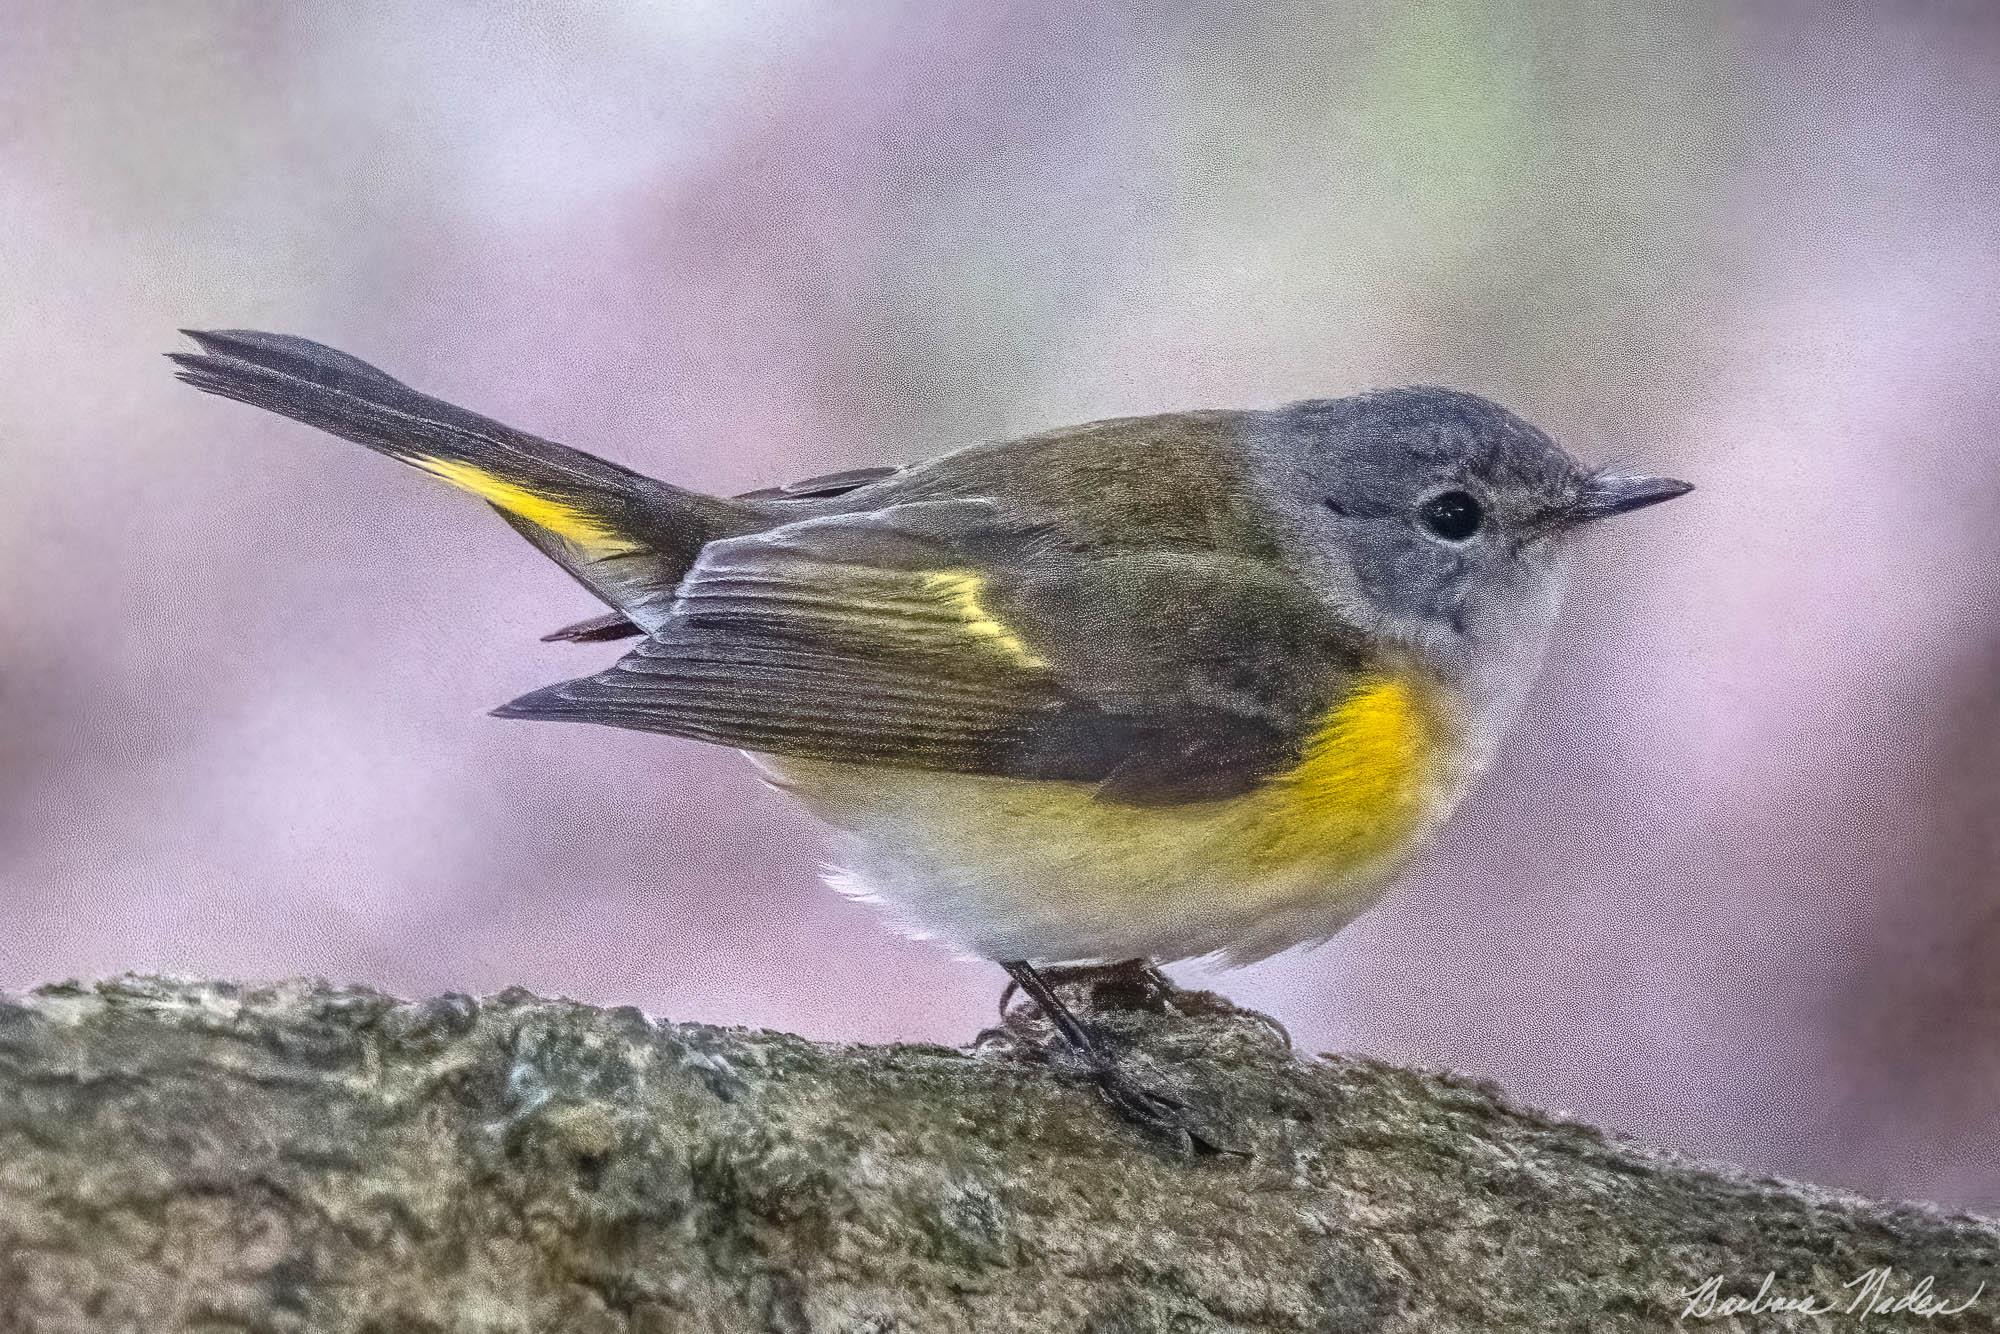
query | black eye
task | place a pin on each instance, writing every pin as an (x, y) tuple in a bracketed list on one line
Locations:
[(1452, 515)]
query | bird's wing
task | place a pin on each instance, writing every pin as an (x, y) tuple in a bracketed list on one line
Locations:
[(826, 486), (933, 635)]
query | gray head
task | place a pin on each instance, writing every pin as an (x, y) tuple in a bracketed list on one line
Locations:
[(1438, 518)]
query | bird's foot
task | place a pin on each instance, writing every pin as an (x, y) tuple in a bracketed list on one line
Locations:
[(1130, 984), (1160, 1115), (1139, 985)]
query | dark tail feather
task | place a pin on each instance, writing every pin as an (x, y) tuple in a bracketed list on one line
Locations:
[(596, 630), (625, 536)]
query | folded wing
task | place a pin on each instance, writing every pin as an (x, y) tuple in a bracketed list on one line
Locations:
[(935, 635)]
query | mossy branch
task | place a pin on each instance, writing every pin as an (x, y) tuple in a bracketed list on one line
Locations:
[(185, 1155)]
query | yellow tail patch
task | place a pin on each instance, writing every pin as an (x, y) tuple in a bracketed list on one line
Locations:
[(584, 531), (964, 591)]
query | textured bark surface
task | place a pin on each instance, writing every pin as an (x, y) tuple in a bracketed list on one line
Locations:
[(180, 1155)]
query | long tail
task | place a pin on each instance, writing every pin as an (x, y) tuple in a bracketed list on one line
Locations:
[(626, 537)]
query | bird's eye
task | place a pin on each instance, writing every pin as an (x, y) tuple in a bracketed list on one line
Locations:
[(1452, 515)]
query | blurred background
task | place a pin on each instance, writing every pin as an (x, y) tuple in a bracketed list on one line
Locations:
[(1732, 888)]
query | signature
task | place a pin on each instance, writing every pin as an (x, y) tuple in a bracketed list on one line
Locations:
[(1871, 1293)]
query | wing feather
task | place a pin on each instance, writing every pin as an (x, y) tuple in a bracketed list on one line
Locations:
[(932, 636)]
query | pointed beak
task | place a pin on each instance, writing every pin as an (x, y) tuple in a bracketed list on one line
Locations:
[(1607, 494)]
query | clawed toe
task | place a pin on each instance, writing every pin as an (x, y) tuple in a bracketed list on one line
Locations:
[(1164, 1117), (1159, 1114)]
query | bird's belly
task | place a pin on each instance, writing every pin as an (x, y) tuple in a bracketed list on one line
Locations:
[(1049, 872)]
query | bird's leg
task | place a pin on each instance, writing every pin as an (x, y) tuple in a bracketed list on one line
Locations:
[(1136, 984), (1149, 1110)]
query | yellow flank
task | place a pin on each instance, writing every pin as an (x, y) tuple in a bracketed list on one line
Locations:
[(1367, 785), (1361, 789), (1009, 863), (962, 590), (584, 531)]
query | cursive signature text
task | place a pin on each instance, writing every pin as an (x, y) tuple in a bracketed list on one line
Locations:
[(1874, 1292)]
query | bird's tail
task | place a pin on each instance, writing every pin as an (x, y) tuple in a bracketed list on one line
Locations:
[(626, 537)]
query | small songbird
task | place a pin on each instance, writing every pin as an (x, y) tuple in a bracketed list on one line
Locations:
[(1116, 694)]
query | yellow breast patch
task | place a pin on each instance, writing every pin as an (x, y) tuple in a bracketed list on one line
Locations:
[(1363, 785)]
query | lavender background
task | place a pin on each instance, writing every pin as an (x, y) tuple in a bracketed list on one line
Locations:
[(1732, 887)]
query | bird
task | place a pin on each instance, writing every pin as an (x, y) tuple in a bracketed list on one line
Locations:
[(1198, 684)]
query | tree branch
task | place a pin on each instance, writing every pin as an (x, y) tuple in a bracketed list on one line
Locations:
[(181, 1155)]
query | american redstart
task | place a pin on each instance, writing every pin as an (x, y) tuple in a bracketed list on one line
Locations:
[(1115, 694)]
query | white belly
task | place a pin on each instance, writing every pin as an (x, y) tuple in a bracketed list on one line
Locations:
[(1004, 869)]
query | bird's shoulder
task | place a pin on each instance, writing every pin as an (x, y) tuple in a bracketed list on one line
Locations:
[(1167, 481)]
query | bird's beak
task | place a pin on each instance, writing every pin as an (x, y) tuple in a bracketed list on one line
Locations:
[(1607, 494)]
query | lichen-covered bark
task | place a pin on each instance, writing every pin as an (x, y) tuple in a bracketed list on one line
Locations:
[(179, 1155)]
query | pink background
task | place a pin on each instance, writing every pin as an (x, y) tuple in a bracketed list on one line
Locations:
[(1732, 887)]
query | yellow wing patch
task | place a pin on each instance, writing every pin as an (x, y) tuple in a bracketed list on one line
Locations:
[(586, 532), (963, 591)]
